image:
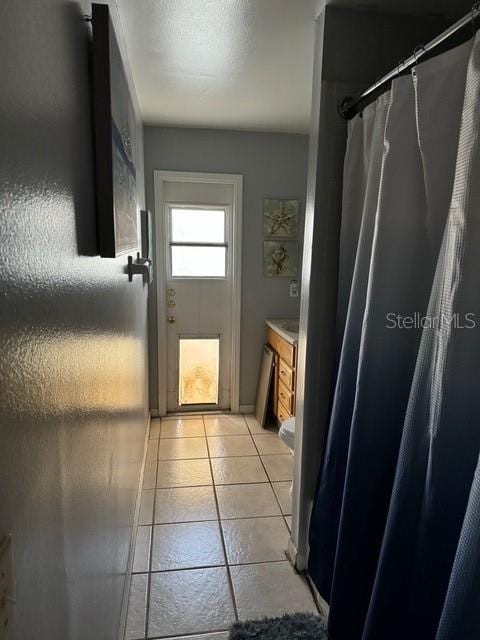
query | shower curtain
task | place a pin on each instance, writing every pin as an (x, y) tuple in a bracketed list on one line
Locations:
[(395, 528)]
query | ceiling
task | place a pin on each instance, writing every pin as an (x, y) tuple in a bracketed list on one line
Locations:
[(236, 64), (451, 8)]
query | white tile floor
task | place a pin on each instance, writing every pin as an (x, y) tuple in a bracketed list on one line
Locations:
[(213, 529)]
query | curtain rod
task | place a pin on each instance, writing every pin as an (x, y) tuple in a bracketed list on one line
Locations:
[(347, 106)]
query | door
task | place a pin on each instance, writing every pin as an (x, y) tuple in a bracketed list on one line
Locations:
[(198, 289), (198, 305)]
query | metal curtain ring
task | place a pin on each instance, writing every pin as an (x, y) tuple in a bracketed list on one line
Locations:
[(420, 49), (475, 10)]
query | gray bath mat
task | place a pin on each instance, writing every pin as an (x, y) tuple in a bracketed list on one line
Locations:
[(299, 626)]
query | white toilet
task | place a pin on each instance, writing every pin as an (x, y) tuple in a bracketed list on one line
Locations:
[(287, 433)]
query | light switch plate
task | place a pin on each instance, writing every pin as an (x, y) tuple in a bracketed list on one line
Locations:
[(7, 587)]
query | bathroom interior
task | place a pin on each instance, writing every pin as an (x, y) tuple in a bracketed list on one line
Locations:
[(237, 251)]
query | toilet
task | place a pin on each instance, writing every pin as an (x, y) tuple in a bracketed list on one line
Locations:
[(287, 433)]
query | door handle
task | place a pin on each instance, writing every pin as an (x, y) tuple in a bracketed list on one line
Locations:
[(171, 319)]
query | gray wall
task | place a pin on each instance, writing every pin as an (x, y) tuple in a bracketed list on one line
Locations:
[(73, 372), (273, 165)]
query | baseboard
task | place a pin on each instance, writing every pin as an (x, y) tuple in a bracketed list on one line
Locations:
[(247, 408), (244, 408), (131, 550), (298, 560), (322, 604)]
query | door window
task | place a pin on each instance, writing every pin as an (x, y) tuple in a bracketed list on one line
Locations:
[(198, 247)]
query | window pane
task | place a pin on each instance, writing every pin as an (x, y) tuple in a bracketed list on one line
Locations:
[(198, 225), (198, 262), (198, 371)]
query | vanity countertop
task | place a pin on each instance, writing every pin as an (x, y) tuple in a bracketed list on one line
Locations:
[(286, 328)]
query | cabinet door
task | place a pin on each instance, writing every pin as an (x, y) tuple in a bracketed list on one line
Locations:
[(276, 361)]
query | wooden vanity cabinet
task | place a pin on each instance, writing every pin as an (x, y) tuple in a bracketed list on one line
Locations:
[(285, 359)]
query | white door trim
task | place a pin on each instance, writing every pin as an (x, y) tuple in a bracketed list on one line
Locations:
[(236, 180)]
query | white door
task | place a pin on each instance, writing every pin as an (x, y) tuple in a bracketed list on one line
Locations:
[(198, 247), (198, 305)]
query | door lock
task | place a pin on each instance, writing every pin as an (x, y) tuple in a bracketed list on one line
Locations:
[(171, 319), (171, 292)]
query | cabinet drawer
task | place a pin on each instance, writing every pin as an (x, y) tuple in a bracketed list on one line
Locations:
[(285, 396), (286, 375), (282, 413), (285, 350)]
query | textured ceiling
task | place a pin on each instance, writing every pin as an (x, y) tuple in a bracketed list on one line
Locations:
[(241, 64), (238, 64)]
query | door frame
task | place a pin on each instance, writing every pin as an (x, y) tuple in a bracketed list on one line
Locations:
[(236, 180)]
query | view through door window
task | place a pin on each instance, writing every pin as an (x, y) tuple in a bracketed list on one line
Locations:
[(198, 247), (198, 370)]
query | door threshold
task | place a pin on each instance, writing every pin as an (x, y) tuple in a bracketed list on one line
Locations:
[(201, 412)]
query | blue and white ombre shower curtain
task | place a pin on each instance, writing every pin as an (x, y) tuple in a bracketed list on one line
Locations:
[(395, 529)]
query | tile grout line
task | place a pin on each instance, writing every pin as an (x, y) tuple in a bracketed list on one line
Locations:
[(210, 566), (243, 455), (222, 537), (222, 435), (218, 520), (219, 484), (288, 528), (269, 480), (162, 524), (271, 483), (190, 635), (150, 555)]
